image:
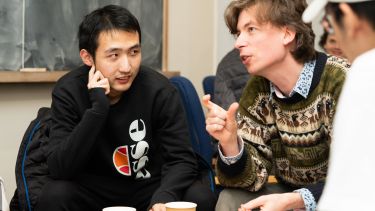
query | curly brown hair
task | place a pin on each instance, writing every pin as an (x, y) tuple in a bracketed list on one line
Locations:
[(279, 13)]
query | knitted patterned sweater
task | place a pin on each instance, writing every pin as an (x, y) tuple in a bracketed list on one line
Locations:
[(289, 136)]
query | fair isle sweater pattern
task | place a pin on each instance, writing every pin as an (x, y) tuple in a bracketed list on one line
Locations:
[(292, 138)]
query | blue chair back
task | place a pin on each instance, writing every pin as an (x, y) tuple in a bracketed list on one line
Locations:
[(200, 138), (209, 85)]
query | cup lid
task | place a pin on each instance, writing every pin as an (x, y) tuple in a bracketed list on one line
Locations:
[(180, 204)]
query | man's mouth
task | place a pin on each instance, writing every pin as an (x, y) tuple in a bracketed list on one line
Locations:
[(245, 59), (123, 79)]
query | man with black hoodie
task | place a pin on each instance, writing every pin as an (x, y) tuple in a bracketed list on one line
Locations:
[(119, 135)]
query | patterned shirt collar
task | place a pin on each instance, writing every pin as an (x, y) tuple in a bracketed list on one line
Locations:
[(303, 84)]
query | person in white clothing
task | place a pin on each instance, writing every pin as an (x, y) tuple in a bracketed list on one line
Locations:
[(3, 201), (349, 184)]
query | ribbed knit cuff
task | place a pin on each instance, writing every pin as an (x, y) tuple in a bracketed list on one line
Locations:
[(100, 102), (308, 199), (235, 168)]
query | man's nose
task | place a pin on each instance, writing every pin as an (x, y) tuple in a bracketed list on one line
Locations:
[(240, 41), (125, 65)]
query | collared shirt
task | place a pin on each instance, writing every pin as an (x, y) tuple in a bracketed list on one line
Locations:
[(303, 84)]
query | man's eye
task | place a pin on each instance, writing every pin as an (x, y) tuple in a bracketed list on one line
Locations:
[(134, 52), (113, 56), (251, 29)]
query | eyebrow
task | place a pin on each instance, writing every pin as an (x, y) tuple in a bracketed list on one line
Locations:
[(135, 46), (246, 25), (110, 50)]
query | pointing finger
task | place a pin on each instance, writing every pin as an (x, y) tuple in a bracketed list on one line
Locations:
[(212, 106), (232, 110)]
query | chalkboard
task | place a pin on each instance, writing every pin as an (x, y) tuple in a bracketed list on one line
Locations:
[(51, 31)]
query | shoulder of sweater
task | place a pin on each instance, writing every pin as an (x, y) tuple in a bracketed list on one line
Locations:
[(335, 70), (77, 76), (258, 83), (256, 87), (334, 62)]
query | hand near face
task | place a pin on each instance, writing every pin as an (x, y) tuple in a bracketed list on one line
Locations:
[(158, 207), (97, 80), (274, 202), (222, 125)]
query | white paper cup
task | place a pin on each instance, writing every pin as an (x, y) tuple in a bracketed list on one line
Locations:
[(119, 209), (181, 206)]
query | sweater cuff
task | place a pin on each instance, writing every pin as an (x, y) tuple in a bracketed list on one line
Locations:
[(235, 168), (100, 102), (308, 199), (232, 159)]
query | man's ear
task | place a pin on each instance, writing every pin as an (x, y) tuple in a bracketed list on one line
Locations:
[(86, 57), (289, 35), (351, 21)]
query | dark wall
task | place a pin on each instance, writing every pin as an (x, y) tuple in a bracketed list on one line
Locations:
[(51, 31)]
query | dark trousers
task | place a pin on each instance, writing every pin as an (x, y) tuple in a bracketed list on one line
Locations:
[(60, 195), (201, 194)]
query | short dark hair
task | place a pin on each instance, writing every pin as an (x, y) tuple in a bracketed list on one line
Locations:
[(323, 39), (110, 17), (364, 10), (279, 13)]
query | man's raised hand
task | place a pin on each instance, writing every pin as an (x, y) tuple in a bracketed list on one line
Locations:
[(97, 80), (222, 125)]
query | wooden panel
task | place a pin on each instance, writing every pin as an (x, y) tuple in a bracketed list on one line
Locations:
[(30, 77), (170, 74)]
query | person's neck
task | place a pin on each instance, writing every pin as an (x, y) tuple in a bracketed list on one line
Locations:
[(365, 45), (114, 97), (285, 74), (364, 42)]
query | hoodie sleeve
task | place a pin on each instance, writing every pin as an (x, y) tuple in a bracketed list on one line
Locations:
[(71, 128), (180, 167)]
